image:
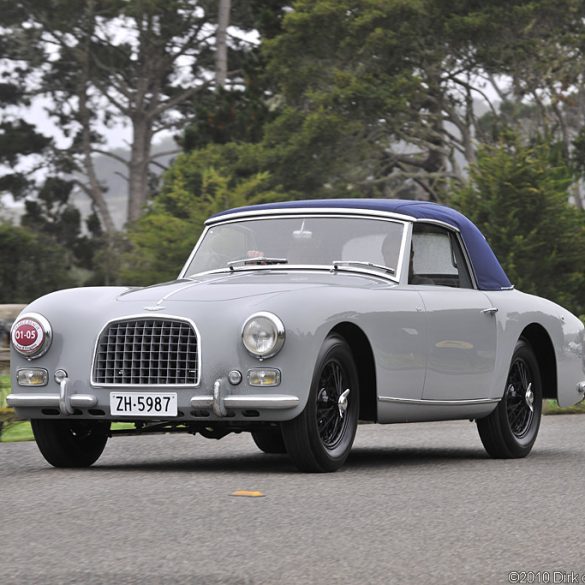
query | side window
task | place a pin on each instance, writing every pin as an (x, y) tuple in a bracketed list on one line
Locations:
[(436, 258)]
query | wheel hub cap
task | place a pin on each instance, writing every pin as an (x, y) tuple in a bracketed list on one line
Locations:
[(530, 397), (342, 403)]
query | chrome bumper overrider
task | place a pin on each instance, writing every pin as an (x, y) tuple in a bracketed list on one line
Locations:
[(66, 402)]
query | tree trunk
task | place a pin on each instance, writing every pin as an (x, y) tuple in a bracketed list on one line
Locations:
[(94, 188), (221, 60), (139, 166)]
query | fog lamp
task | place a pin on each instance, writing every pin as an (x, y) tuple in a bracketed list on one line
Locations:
[(32, 377), (264, 377)]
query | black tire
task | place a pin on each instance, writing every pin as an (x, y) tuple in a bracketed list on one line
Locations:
[(71, 443), (320, 438), (269, 441), (510, 431)]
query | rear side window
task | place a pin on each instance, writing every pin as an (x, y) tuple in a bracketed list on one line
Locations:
[(436, 258)]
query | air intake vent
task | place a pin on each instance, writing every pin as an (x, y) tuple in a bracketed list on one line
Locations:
[(147, 352)]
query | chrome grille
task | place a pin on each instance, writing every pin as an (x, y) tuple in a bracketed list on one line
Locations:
[(147, 352)]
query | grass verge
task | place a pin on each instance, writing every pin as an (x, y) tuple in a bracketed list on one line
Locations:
[(551, 407)]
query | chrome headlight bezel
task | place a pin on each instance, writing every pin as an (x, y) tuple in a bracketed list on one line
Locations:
[(273, 328), (42, 341)]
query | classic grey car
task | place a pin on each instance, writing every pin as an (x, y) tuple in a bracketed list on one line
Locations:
[(294, 321)]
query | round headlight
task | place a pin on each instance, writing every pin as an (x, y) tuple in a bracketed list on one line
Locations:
[(263, 335), (31, 335)]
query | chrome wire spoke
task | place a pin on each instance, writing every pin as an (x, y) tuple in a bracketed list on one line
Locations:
[(330, 420), (520, 413), (331, 429), (337, 377), (523, 375)]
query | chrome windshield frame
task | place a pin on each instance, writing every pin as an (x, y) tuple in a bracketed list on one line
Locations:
[(309, 213)]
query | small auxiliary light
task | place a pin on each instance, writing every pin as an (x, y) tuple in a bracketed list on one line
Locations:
[(32, 377), (264, 377)]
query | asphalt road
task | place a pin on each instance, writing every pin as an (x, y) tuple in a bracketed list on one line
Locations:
[(415, 504)]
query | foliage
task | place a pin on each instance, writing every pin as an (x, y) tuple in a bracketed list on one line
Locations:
[(32, 265), (193, 190), (4, 389), (337, 98), (74, 53), (52, 213), (517, 195)]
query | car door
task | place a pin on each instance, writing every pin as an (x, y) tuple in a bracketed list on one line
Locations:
[(461, 325)]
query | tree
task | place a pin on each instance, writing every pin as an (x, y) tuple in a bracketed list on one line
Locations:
[(517, 195), (380, 97), (18, 139), (376, 94), (32, 265), (113, 62), (536, 69)]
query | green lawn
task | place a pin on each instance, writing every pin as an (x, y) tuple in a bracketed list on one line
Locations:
[(16, 431)]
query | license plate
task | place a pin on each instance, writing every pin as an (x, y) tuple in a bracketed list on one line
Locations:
[(143, 404)]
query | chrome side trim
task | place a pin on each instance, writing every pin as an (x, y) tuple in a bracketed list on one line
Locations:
[(150, 316), (267, 401), (47, 400), (411, 401)]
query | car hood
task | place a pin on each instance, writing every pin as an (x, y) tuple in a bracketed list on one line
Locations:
[(240, 285)]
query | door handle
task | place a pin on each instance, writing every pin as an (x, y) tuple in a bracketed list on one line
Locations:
[(490, 311)]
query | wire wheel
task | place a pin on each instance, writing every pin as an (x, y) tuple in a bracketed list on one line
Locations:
[(520, 398), (332, 404), (320, 438), (511, 429)]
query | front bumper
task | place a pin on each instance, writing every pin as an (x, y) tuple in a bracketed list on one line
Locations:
[(220, 403)]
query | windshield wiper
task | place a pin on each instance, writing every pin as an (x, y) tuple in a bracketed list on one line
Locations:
[(338, 263), (259, 261)]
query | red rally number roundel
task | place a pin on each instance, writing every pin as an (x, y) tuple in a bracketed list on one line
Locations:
[(28, 336)]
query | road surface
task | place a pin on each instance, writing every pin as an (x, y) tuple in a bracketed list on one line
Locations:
[(417, 503)]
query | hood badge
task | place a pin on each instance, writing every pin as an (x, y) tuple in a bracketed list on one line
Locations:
[(154, 308)]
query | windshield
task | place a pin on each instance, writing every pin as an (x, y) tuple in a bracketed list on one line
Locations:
[(299, 240)]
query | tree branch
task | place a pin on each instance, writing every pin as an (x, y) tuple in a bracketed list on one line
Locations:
[(111, 155)]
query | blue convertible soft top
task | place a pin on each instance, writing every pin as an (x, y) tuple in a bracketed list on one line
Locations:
[(489, 274)]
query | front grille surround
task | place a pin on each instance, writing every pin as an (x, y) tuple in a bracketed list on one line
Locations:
[(147, 351)]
